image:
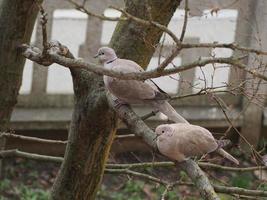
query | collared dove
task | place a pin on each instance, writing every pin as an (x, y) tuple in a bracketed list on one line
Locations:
[(181, 141), (134, 91)]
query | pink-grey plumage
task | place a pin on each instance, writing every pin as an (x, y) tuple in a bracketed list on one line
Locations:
[(135, 91), (181, 141)]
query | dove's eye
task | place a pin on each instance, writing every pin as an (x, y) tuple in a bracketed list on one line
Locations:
[(162, 131)]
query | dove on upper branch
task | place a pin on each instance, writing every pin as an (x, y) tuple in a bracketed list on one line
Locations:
[(135, 91), (181, 141)]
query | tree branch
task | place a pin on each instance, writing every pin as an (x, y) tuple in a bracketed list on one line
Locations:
[(137, 174), (17, 153), (232, 46), (203, 165), (217, 188), (32, 156), (186, 10), (32, 139), (126, 169), (35, 55), (128, 16), (43, 22), (139, 128), (241, 191)]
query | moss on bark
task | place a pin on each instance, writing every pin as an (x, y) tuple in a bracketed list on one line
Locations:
[(137, 42)]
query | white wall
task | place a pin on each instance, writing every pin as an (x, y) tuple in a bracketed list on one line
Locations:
[(69, 27)]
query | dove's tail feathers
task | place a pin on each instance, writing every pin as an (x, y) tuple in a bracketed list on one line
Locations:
[(228, 156), (166, 108), (223, 143)]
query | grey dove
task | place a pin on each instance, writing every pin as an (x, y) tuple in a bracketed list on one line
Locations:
[(181, 141), (135, 91)]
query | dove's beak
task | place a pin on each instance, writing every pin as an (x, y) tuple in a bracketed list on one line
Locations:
[(155, 138), (95, 56)]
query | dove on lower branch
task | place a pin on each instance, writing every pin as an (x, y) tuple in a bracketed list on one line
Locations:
[(181, 141), (135, 91)]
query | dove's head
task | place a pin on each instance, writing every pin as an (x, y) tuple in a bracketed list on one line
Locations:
[(164, 130), (106, 54)]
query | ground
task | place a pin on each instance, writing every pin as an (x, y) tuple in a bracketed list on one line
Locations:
[(31, 180)]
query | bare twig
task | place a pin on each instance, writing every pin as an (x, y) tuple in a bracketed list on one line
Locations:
[(208, 90), (253, 150), (125, 169), (177, 50), (148, 23), (204, 165), (218, 188), (128, 16), (32, 139), (32, 156), (242, 191), (43, 20), (232, 46), (151, 114), (186, 10), (137, 174), (89, 13), (168, 59)]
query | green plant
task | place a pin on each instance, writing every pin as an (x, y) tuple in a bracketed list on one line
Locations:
[(27, 193), (4, 184), (243, 180)]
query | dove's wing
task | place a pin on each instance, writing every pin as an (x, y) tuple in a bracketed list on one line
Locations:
[(193, 140), (132, 91), (150, 82)]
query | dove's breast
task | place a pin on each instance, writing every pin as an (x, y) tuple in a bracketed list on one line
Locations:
[(167, 146)]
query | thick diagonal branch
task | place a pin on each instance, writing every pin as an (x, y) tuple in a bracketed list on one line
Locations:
[(138, 127)]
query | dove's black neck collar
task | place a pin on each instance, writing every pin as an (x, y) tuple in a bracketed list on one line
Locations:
[(112, 60)]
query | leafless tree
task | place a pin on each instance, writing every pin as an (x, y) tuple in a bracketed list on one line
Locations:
[(94, 120)]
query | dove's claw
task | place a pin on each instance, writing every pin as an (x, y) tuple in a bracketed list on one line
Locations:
[(119, 103)]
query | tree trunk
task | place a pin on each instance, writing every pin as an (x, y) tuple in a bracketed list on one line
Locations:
[(16, 24), (93, 123), (17, 19), (91, 132), (138, 42)]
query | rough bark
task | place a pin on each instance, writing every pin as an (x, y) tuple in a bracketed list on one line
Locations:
[(16, 24), (90, 136), (135, 41)]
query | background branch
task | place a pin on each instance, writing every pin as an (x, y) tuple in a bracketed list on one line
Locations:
[(126, 169)]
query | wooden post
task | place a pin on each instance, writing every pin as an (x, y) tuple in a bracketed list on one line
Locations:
[(242, 36), (187, 55), (253, 115)]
